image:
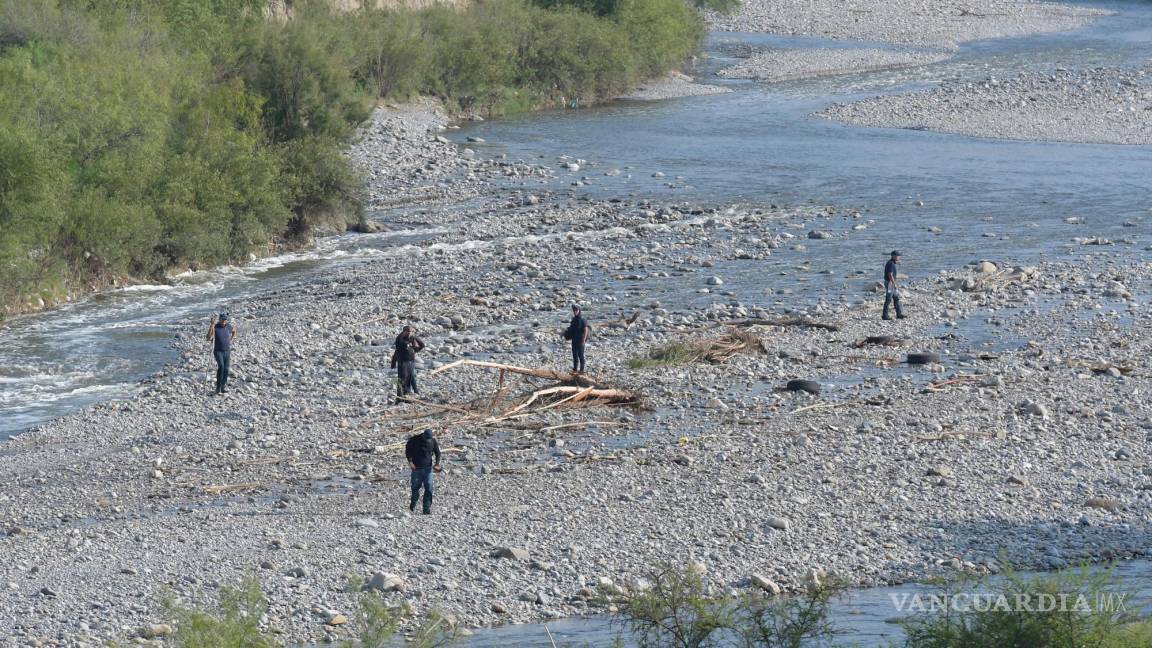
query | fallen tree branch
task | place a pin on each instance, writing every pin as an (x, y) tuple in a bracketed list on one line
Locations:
[(785, 322), (547, 374), (230, 488), (816, 406)]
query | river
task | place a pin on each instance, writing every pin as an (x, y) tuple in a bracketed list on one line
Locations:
[(756, 144)]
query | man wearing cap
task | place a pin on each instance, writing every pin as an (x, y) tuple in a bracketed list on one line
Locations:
[(404, 361), (221, 333), (891, 288), (423, 453), (577, 332)]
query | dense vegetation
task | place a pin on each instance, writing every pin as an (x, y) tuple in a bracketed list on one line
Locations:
[(138, 136)]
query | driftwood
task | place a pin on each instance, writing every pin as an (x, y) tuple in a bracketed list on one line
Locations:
[(545, 373), (958, 380), (1103, 368), (955, 434), (230, 488), (574, 390), (817, 406), (785, 322), (878, 340)]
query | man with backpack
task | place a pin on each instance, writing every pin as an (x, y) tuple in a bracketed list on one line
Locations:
[(423, 453)]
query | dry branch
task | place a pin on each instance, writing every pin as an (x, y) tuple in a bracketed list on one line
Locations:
[(785, 322), (958, 380), (230, 488), (547, 374)]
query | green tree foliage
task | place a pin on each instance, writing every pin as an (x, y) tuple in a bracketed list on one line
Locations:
[(138, 136)]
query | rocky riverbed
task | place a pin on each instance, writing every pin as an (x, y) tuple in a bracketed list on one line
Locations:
[(927, 23), (1099, 106), (1022, 438)]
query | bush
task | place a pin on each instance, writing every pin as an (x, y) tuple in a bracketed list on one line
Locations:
[(1080, 623), (678, 611), (234, 622)]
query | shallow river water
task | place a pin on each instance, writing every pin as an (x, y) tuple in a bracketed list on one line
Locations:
[(758, 145)]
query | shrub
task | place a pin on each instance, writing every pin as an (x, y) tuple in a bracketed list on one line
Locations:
[(1079, 623), (678, 611)]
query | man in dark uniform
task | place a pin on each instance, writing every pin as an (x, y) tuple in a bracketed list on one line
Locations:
[(423, 453), (577, 332), (221, 333), (404, 361), (891, 288)]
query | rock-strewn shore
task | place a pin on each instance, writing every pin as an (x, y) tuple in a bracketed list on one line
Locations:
[(1101, 106), (672, 86), (786, 64), (295, 476), (929, 23)]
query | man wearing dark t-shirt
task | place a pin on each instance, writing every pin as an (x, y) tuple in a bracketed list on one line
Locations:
[(423, 454), (577, 332), (221, 333), (891, 288)]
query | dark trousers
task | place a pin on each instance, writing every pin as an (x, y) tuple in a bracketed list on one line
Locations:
[(577, 356), (421, 478), (223, 362), (406, 377), (891, 297)]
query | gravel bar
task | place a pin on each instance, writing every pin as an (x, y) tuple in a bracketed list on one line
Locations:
[(927, 23), (1097, 106)]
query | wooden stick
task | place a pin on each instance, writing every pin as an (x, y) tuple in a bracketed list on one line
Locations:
[(573, 398), (499, 391), (229, 488), (450, 408), (785, 322), (260, 462), (548, 374), (822, 406), (562, 426)]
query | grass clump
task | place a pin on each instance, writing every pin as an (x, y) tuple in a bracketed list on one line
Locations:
[(713, 350), (666, 355)]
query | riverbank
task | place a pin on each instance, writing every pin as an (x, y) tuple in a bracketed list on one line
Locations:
[(1095, 106), (885, 479)]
